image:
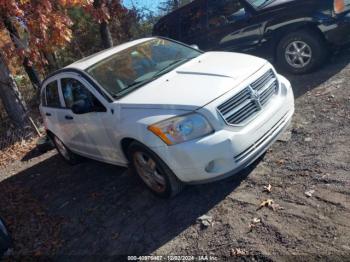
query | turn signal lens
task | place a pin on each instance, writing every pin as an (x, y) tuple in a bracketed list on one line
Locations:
[(339, 6)]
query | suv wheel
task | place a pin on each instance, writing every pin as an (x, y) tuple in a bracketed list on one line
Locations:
[(301, 52), (65, 153), (153, 172)]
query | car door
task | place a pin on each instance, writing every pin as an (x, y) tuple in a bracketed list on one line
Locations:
[(231, 26), (88, 131), (51, 107)]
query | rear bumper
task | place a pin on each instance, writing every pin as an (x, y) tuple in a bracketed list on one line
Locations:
[(338, 33)]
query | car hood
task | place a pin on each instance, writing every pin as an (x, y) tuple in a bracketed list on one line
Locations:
[(195, 83)]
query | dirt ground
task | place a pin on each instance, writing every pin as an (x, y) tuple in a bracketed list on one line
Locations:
[(100, 211)]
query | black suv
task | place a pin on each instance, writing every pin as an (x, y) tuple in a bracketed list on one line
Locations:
[(296, 34)]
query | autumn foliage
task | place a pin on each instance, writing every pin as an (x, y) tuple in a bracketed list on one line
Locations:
[(45, 26)]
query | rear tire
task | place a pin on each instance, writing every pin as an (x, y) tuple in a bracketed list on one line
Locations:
[(5, 239), (301, 52), (65, 152), (153, 172)]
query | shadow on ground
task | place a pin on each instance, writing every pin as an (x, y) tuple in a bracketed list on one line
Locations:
[(107, 211)]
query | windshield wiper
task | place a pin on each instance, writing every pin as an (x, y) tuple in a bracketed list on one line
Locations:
[(171, 66), (132, 87)]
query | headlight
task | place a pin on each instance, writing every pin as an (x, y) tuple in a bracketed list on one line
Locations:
[(339, 6), (181, 128)]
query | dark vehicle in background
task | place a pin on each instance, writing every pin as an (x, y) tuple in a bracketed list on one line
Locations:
[(5, 239), (295, 34)]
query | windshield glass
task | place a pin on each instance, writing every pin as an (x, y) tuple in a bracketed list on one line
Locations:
[(259, 3), (133, 67)]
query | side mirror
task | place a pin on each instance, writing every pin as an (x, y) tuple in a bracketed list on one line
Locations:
[(195, 47), (81, 107)]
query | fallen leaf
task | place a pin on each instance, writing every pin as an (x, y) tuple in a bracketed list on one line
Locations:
[(309, 193), (206, 220), (237, 252), (254, 222), (267, 188), (281, 162), (265, 203)]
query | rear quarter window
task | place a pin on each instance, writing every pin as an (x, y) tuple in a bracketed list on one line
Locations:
[(52, 95)]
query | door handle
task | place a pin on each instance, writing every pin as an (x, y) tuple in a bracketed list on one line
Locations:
[(69, 117), (48, 114)]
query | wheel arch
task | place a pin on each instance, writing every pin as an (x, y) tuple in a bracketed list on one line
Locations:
[(125, 143), (50, 134), (283, 31)]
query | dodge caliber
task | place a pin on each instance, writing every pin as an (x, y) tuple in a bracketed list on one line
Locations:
[(174, 114)]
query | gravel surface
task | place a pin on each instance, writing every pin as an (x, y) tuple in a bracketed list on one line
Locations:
[(98, 209)]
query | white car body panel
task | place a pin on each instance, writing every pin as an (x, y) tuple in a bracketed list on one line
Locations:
[(199, 85)]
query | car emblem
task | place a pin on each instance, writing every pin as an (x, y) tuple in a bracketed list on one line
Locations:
[(255, 97)]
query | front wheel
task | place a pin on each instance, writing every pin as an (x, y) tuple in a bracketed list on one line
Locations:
[(64, 151), (153, 172), (301, 52)]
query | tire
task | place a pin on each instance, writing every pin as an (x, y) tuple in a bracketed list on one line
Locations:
[(306, 45), (5, 239), (65, 152), (153, 172)]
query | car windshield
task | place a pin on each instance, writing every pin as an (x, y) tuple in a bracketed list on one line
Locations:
[(259, 3), (133, 67)]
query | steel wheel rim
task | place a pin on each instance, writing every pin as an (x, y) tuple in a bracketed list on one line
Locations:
[(298, 54), (147, 168), (62, 148)]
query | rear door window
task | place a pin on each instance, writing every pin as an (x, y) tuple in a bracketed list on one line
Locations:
[(52, 95), (224, 12)]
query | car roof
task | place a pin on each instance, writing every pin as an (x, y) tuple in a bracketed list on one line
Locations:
[(87, 62)]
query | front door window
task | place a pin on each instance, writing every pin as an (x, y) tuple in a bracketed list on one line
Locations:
[(74, 92), (224, 12)]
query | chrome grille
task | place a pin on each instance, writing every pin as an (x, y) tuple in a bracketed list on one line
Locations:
[(250, 100)]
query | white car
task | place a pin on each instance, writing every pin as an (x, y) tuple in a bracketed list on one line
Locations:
[(175, 114)]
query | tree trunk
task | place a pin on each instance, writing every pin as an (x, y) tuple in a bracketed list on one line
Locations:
[(52, 62), (10, 96), (106, 36), (32, 73)]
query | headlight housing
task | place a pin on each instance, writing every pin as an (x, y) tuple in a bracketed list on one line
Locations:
[(339, 6), (183, 128)]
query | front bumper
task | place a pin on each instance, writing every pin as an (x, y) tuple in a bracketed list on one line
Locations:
[(338, 32), (230, 149)]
